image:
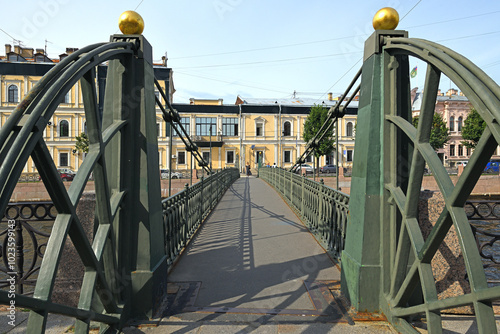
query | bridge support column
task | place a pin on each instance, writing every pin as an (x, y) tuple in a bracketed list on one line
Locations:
[(361, 258), (134, 170)]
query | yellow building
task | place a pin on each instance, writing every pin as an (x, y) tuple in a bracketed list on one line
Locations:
[(249, 131), (252, 131), (20, 70)]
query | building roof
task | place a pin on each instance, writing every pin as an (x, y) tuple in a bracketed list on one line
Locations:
[(303, 102), (417, 102)]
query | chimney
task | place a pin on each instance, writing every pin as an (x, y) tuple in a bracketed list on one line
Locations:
[(71, 50), (40, 51), (17, 49), (8, 48), (330, 96), (27, 53)]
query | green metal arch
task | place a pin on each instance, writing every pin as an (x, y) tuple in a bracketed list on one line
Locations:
[(21, 136), (410, 270)]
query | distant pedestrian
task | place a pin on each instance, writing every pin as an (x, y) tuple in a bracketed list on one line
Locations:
[(248, 169), (274, 165)]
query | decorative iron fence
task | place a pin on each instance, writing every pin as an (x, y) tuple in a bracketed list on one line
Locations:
[(323, 209), (24, 231), (185, 211)]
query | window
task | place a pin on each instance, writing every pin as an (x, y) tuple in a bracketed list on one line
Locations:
[(452, 123), (230, 157), (157, 95), (157, 129), (181, 158), (348, 129), (287, 129), (452, 150), (460, 150), (185, 125), (309, 159), (468, 151), (229, 126), (13, 94), (204, 125), (63, 128), (66, 98), (85, 127), (206, 156), (259, 129), (349, 155), (63, 159), (459, 125), (287, 156)]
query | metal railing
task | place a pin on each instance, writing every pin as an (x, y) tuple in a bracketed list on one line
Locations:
[(185, 211), (323, 209), (27, 229)]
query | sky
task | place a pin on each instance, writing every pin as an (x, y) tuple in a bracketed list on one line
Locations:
[(255, 48)]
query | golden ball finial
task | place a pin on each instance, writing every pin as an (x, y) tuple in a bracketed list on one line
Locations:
[(386, 19), (131, 23)]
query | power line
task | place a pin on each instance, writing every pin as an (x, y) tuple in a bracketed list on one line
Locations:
[(270, 61), (419, 1), (232, 83), (330, 39)]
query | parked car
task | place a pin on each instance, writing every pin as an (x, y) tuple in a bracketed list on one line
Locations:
[(175, 175), (66, 171), (64, 176), (67, 176), (305, 167), (492, 167), (328, 169), (462, 163)]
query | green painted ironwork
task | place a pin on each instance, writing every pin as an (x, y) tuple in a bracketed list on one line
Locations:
[(185, 211), (386, 265), (323, 209), (126, 261)]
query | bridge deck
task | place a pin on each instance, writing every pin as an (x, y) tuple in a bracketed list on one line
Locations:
[(253, 253), (253, 261)]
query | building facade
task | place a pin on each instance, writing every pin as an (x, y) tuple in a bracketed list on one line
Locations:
[(454, 107), (20, 70)]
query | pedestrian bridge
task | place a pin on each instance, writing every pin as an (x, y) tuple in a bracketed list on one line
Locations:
[(131, 262)]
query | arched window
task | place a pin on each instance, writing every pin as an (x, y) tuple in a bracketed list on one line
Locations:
[(63, 128), (287, 129), (452, 123), (349, 129), (459, 125), (13, 94)]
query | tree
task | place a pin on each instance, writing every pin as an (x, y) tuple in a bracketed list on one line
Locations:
[(439, 132), (473, 128), (82, 143), (317, 117)]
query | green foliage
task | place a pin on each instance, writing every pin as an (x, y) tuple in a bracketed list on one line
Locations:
[(317, 117), (82, 143), (439, 132), (472, 129)]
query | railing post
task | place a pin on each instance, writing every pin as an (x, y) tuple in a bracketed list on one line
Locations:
[(361, 259), (186, 214), (201, 198)]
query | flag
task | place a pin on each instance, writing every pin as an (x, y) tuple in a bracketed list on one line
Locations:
[(413, 73)]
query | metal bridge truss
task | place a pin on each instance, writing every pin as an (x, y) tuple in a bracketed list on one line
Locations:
[(387, 261), (126, 261)]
